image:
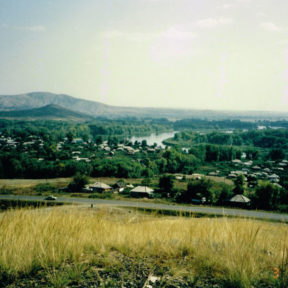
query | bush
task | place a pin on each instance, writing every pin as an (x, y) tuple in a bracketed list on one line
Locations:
[(196, 190), (101, 195), (166, 185), (78, 183), (45, 187)]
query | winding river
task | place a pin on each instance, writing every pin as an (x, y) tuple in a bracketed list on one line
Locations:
[(154, 138)]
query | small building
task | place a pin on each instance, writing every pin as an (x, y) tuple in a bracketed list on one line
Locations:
[(77, 141), (119, 186), (129, 186), (239, 200), (99, 187), (142, 191), (274, 178)]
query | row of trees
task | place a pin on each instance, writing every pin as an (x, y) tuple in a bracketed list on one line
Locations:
[(268, 138), (55, 131)]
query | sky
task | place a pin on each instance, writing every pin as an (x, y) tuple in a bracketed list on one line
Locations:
[(208, 54)]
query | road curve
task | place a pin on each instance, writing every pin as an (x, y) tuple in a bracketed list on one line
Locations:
[(156, 206)]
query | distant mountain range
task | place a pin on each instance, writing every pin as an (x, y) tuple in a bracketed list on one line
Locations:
[(48, 112), (47, 105)]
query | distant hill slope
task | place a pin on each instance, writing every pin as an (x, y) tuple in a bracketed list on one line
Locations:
[(40, 99), (49, 112), (95, 109)]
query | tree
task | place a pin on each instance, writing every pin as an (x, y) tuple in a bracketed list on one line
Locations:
[(225, 194), (276, 154), (239, 183), (197, 189), (70, 136), (78, 183), (144, 143), (166, 185), (99, 140), (146, 181), (266, 196)]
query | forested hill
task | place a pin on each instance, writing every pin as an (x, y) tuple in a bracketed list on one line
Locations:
[(48, 112), (40, 99)]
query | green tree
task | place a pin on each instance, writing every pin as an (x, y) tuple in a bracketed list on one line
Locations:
[(99, 140), (78, 183), (70, 136), (166, 185), (196, 189), (276, 154), (146, 181), (225, 194), (239, 183), (266, 196), (144, 143)]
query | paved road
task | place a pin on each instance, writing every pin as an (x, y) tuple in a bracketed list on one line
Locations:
[(146, 205)]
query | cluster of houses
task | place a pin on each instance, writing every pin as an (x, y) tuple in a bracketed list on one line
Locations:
[(252, 172), (138, 191), (79, 145), (126, 148), (13, 143), (255, 172)]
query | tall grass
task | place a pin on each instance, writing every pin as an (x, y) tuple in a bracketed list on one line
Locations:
[(237, 251)]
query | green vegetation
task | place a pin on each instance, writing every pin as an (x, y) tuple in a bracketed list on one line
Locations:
[(78, 183), (166, 185), (101, 148)]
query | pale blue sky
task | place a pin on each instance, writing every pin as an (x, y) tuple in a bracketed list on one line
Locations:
[(208, 54)]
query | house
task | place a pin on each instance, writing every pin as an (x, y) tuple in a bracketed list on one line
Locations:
[(99, 187), (77, 141), (239, 200), (119, 186), (197, 176), (142, 191), (274, 178)]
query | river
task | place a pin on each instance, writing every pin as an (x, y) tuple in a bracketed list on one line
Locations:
[(154, 138)]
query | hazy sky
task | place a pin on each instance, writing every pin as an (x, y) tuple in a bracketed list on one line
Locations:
[(212, 54)]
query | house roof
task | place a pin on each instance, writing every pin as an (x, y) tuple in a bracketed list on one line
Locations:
[(239, 198), (119, 184), (99, 185), (142, 189)]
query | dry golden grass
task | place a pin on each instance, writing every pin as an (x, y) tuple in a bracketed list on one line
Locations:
[(26, 183), (233, 249)]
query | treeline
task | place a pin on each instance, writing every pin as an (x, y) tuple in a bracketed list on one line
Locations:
[(129, 127), (268, 138), (126, 127), (213, 124), (58, 130)]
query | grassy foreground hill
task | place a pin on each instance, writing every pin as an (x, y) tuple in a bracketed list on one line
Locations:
[(82, 247)]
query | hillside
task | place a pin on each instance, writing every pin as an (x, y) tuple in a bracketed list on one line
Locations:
[(112, 247), (48, 112), (96, 109)]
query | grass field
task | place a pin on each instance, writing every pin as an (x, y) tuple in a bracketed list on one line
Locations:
[(81, 247), (58, 181), (25, 186)]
